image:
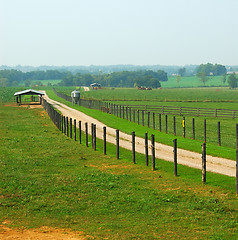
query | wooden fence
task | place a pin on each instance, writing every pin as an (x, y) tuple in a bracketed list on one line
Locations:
[(72, 129), (179, 111), (164, 110)]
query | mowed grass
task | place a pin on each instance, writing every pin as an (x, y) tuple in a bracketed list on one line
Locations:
[(194, 81), (48, 179), (213, 94)]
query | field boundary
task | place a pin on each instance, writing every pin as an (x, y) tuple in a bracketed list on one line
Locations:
[(73, 122), (169, 110), (151, 117)]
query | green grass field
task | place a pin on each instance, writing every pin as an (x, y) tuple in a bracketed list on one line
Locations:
[(48, 179), (191, 82), (191, 95)]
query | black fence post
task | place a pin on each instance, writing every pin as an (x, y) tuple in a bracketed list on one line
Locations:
[(146, 150), (64, 125), (92, 134), (80, 132), (70, 127), (134, 116), (204, 163), (184, 127), (153, 151), (86, 133), (117, 143), (219, 133), (175, 158), (105, 140), (193, 129), (95, 137), (133, 148), (138, 117), (67, 126), (74, 129), (166, 124)]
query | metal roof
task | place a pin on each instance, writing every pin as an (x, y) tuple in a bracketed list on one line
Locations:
[(29, 92)]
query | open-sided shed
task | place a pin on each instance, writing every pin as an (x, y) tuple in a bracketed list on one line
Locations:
[(30, 92)]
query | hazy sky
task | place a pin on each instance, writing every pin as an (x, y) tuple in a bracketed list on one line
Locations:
[(108, 32)]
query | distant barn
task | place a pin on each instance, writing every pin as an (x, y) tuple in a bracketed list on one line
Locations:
[(95, 85)]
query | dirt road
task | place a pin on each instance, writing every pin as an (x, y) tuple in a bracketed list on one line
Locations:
[(188, 158)]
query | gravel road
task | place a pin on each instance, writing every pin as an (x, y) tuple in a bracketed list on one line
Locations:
[(188, 158)]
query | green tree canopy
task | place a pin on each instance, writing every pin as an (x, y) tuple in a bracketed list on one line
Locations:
[(232, 81), (182, 72), (203, 77), (216, 70)]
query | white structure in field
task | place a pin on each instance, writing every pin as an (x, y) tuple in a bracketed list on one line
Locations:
[(75, 97)]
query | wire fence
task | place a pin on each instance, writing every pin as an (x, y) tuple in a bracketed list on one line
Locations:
[(178, 121), (73, 129)]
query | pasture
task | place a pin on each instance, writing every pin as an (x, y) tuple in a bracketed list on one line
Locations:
[(220, 98), (49, 179), (191, 96), (193, 81)]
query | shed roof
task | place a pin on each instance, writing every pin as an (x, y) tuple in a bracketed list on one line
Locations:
[(29, 92), (95, 84)]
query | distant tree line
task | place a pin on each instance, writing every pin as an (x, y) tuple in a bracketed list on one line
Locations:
[(15, 77), (98, 69), (205, 70), (233, 81), (211, 69), (117, 79)]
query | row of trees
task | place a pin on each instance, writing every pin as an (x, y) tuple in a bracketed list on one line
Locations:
[(15, 77), (233, 81), (117, 79), (211, 69)]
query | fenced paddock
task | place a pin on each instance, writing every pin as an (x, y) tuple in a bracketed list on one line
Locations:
[(71, 128), (218, 128), (184, 111)]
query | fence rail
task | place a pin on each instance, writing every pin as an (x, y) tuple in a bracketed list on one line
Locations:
[(187, 111)]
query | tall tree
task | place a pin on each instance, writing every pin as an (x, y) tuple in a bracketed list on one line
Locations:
[(203, 77), (182, 72), (178, 78), (232, 81)]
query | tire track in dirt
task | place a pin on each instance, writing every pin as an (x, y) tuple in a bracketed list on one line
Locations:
[(185, 157)]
